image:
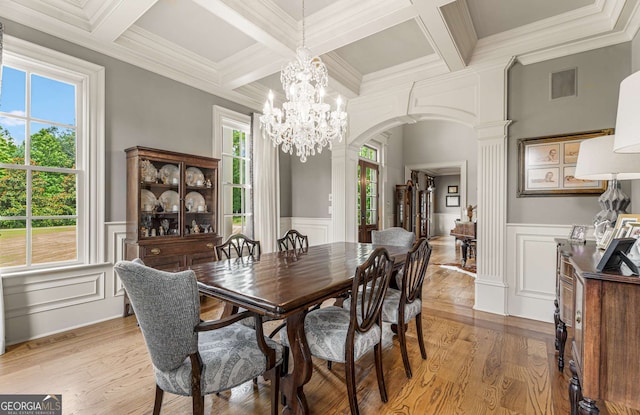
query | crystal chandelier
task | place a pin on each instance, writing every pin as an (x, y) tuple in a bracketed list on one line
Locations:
[(305, 121)]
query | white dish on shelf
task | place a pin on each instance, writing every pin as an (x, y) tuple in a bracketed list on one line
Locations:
[(170, 201), (169, 174), (194, 177), (147, 200), (196, 201)]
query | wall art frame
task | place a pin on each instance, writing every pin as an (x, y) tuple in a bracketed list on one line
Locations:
[(546, 165)]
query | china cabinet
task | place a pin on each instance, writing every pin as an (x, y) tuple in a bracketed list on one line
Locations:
[(404, 206), (171, 208)]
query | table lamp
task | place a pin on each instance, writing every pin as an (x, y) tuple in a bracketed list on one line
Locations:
[(598, 161)]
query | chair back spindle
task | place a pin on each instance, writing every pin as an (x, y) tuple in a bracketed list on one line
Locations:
[(293, 240), (238, 245)]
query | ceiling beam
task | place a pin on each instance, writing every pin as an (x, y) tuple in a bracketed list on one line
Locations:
[(435, 28), (119, 16), (337, 25), (260, 20)]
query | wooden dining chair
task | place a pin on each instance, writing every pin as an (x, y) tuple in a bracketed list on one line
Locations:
[(191, 357), (336, 334), (240, 245), (394, 236), (293, 240), (405, 303)]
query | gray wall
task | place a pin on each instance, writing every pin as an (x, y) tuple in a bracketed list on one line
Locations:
[(599, 73), (311, 185), (142, 108), (442, 142), (440, 197)]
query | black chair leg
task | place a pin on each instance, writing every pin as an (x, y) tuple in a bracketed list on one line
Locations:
[(158, 402)]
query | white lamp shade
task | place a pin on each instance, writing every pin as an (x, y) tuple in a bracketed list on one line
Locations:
[(598, 161), (628, 117)]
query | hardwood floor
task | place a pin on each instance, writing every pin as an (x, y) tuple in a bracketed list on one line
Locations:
[(477, 363)]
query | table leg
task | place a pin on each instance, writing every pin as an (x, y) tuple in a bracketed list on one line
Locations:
[(464, 245), (293, 382)]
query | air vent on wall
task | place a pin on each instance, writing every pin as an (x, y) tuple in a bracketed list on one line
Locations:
[(564, 84)]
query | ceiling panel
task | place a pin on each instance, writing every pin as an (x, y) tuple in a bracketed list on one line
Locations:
[(495, 16), (294, 7), (190, 26), (390, 47)]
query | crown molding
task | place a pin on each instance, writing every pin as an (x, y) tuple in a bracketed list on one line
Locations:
[(422, 68), (33, 10), (342, 72), (587, 22)]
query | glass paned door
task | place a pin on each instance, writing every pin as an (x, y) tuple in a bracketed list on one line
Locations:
[(367, 200)]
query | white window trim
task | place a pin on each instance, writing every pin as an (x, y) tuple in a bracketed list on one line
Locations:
[(226, 117), (91, 78)]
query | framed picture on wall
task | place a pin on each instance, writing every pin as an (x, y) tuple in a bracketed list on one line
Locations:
[(547, 165), (452, 189), (453, 201)]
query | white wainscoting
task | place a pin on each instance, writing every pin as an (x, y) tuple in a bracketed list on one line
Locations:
[(443, 223), (531, 269), (40, 303), (317, 229)]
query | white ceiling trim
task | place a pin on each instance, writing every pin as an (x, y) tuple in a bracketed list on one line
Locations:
[(388, 79), (277, 31), (118, 18), (344, 78), (141, 41), (433, 25), (584, 22), (348, 21), (249, 65), (580, 46), (61, 10)]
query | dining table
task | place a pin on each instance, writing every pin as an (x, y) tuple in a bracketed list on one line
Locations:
[(285, 285)]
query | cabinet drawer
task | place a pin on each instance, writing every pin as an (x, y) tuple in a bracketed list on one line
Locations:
[(179, 248)]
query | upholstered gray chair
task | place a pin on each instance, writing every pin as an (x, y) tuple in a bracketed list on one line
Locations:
[(393, 236), (404, 304), (336, 334), (190, 357)]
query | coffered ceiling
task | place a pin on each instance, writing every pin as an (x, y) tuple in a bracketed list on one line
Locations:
[(236, 48)]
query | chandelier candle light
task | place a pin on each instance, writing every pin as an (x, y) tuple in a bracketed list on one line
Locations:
[(305, 121)]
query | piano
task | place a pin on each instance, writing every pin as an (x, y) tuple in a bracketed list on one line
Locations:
[(465, 232)]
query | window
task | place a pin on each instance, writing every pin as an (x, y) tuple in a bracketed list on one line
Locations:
[(369, 153), (237, 179), (48, 159)]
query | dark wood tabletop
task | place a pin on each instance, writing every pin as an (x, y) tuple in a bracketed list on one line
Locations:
[(279, 284)]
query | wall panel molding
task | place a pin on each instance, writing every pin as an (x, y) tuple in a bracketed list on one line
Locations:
[(531, 268), (317, 229)]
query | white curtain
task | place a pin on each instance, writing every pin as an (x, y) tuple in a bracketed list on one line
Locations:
[(266, 185)]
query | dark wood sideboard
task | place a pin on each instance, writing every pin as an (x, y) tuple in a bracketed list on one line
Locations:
[(600, 313)]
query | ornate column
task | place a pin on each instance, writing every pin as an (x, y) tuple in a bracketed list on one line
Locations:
[(491, 129)]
